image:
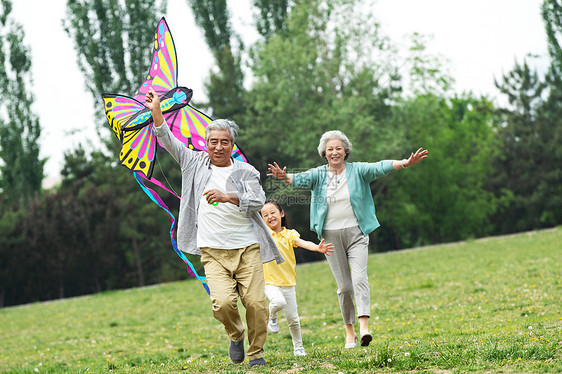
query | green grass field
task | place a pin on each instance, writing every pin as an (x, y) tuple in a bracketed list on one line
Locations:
[(484, 306)]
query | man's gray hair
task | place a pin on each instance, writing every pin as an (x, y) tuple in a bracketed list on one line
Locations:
[(223, 124), (334, 134)]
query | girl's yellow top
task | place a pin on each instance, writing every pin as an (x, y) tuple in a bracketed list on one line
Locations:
[(283, 275)]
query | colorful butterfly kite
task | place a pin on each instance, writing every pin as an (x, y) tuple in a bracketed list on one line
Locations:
[(131, 121), (129, 117)]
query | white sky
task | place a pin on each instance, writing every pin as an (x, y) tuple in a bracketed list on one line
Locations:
[(481, 39)]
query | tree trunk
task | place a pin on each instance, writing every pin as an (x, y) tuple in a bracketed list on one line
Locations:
[(97, 285), (396, 239), (61, 286), (140, 272)]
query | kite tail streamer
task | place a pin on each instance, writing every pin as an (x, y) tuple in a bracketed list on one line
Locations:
[(159, 184), (158, 201)]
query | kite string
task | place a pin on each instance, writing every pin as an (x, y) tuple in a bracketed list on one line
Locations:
[(166, 178)]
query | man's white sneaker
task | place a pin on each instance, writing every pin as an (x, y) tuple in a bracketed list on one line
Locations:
[(299, 352), (273, 326)]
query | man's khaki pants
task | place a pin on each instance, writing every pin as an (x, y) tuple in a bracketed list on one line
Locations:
[(233, 273)]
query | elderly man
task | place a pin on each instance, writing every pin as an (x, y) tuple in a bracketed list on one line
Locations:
[(219, 220)]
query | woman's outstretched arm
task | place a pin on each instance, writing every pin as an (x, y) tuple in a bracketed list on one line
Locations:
[(412, 160), (277, 172)]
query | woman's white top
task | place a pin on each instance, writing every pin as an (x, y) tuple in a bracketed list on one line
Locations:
[(340, 213)]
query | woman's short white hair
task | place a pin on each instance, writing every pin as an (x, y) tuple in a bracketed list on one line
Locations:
[(334, 134), (223, 124)]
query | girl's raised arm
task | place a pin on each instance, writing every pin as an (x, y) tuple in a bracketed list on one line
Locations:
[(321, 247)]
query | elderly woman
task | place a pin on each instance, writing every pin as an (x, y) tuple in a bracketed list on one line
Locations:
[(342, 212)]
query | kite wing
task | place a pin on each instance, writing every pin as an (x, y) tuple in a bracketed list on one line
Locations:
[(139, 150), (163, 73), (189, 125), (129, 119), (120, 111)]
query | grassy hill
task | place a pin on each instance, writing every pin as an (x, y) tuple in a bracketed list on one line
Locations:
[(490, 305)]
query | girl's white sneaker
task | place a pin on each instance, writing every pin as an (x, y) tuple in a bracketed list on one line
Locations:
[(273, 326)]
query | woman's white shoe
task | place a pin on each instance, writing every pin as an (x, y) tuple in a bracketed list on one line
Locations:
[(352, 344)]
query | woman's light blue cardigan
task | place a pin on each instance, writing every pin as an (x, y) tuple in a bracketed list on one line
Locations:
[(359, 176)]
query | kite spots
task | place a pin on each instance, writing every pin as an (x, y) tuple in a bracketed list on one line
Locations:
[(179, 96), (154, 68), (130, 160), (142, 164), (108, 105)]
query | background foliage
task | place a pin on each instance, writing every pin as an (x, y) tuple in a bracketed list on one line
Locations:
[(21, 169), (318, 65)]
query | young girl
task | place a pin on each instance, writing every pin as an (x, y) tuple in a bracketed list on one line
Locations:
[(280, 279)]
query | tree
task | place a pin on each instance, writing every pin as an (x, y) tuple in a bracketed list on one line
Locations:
[(550, 133), (272, 16), (225, 86), (121, 230), (552, 15), (444, 198), (427, 73), (531, 137), (112, 39), (311, 79), (551, 113), (21, 168), (11, 242)]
